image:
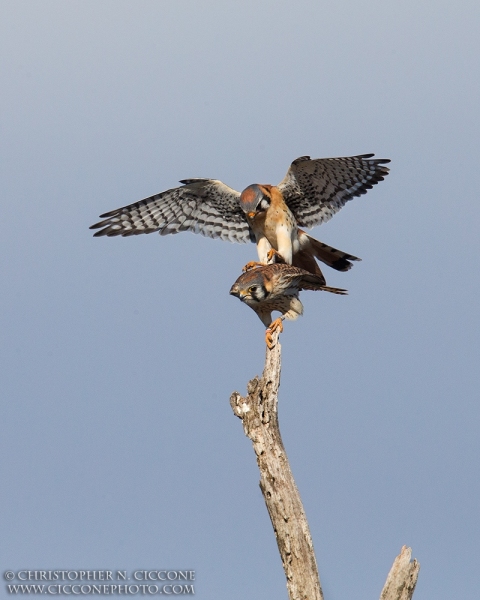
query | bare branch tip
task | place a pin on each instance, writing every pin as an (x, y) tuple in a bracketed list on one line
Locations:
[(402, 578), (252, 385)]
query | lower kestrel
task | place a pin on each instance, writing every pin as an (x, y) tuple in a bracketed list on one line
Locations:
[(276, 287)]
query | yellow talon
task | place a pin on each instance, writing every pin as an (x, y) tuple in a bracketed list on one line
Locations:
[(251, 265), (273, 254), (277, 324)]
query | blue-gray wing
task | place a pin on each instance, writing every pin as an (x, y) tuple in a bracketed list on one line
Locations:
[(205, 206), (317, 189)]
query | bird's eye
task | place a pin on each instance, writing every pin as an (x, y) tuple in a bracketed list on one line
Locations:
[(252, 289)]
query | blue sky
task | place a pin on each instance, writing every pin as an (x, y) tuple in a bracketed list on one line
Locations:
[(119, 447)]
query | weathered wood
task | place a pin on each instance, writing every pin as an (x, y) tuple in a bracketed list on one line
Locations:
[(258, 412), (402, 579)]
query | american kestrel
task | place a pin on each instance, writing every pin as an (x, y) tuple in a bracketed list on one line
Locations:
[(311, 192), (276, 287)]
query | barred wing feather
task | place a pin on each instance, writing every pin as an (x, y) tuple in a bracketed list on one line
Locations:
[(317, 189), (205, 206)]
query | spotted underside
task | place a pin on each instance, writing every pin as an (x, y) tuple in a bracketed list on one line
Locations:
[(315, 190), (205, 206)]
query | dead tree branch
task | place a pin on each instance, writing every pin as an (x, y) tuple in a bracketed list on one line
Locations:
[(258, 412)]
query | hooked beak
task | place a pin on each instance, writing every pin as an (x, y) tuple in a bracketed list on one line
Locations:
[(234, 291)]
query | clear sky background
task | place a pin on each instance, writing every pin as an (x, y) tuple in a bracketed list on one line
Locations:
[(119, 447)]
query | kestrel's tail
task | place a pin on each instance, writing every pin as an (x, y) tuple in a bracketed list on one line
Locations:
[(333, 290), (313, 282), (304, 259), (332, 257)]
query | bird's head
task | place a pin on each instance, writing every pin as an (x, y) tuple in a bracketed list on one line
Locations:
[(251, 287), (255, 199)]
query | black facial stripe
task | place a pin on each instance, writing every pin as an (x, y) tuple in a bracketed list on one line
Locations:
[(259, 293), (263, 204)]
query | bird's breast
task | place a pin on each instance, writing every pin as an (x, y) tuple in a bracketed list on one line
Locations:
[(278, 218)]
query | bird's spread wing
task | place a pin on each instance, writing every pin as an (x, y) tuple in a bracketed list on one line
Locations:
[(316, 189), (205, 206)]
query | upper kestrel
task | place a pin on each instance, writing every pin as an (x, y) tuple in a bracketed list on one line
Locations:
[(311, 192)]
